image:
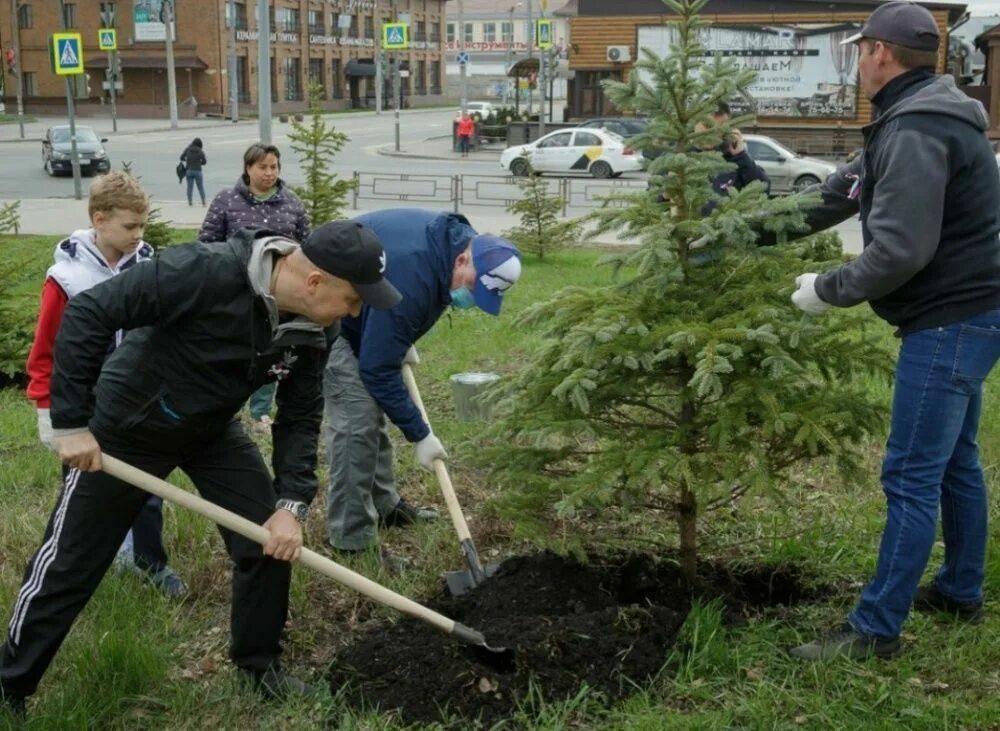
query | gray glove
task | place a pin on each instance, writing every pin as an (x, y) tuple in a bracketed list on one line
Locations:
[(429, 449), (411, 358)]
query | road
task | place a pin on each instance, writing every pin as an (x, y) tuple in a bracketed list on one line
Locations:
[(154, 155)]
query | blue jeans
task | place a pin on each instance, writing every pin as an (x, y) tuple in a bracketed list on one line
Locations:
[(194, 177), (261, 400), (931, 458)]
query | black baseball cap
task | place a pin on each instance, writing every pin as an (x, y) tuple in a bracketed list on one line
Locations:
[(905, 24), (353, 252)]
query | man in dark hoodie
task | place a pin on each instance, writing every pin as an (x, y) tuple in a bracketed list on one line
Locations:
[(928, 193), (434, 260), (734, 150), (208, 324)]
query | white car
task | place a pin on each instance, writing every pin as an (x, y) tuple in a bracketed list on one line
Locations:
[(483, 109), (596, 152), (788, 171)]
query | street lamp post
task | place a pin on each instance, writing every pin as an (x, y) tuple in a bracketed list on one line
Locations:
[(168, 11), (232, 68), (264, 71), (461, 52), (15, 34)]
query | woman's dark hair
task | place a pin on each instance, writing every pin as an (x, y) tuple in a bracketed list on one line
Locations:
[(196, 142), (254, 154)]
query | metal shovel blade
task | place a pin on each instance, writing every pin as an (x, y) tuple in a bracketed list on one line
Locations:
[(501, 659), (462, 582)]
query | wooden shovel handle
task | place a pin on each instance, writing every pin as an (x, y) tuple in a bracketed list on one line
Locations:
[(248, 529), (444, 480)]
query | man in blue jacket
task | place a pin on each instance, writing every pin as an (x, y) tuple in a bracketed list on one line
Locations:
[(434, 260)]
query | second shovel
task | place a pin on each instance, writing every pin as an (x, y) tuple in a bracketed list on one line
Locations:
[(459, 582)]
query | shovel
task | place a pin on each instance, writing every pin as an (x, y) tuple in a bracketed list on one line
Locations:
[(498, 657), (459, 582)]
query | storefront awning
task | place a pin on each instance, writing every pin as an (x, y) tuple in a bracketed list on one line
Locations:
[(360, 67), (523, 68), (147, 62)]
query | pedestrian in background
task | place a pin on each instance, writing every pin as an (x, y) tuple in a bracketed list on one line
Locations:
[(193, 158), (466, 129), (259, 199)]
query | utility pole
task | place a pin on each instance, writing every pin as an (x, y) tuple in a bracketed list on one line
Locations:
[(71, 113), (542, 54), (232, 67), (264, 71), (394, 60), (168, 19), (15, 34), (531, 48), (112, 82), (379, 82), (464, 84)]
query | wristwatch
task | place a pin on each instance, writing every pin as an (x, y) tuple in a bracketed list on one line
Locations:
[(296, 507)]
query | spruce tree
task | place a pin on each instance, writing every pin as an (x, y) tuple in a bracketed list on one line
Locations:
[(323, 195), (158, 232), (540, 231), (10, 217), (691, 379)]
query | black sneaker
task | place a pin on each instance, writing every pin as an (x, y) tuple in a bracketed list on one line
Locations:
[(276, 685), (405, 514), (930, 599), (845, 641)]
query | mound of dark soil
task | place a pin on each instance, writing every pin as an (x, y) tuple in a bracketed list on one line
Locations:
[(609, 624)]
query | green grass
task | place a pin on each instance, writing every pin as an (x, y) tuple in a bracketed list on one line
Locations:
[(8, 118), (136, 661)]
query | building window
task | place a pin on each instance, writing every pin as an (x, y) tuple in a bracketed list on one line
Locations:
[(24, 17), (450, 33), (336, 79), (420, 31), (240, 11), (274, 80), (28, 78), (421, 81), (317, 25), (293, 81), (507, 29), (289, 20), (435, 77), (353, 30), (468, 33), (243, 79), (490, 32), (69, 15), (316, 76), (435, 28), (369, 26)]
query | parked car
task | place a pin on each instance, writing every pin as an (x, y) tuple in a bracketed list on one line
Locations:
[(598, 152), (57, 151), (483, 109), (623, 126), (789, 171)]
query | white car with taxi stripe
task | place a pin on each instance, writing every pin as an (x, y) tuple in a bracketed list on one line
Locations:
[(595, 152)]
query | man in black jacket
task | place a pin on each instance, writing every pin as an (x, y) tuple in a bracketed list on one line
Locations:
[(927, 189), (734, 150), (208, 325)]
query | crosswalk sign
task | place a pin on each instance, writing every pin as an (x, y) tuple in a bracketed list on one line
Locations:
[(67, 53), (395, 36), (107, 39), (543, 33)]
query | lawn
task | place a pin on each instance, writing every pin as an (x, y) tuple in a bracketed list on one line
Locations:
[(137, 661)]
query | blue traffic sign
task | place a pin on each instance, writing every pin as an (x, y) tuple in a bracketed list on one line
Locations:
[(462, 58), (67, 54)]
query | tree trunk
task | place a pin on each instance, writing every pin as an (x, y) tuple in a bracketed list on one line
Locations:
[(687, 522)]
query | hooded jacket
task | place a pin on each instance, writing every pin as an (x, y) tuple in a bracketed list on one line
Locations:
[(203, 335), (236, 208), (927, 189), (421, 249), (78, 266)]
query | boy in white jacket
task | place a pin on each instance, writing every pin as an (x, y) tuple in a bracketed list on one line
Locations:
[(118, 209)]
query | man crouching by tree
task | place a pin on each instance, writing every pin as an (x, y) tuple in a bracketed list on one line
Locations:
[(208, 325)]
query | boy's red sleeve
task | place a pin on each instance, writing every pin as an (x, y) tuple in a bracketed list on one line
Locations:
[(39, 367)]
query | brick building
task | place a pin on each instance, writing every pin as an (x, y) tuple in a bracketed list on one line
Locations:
[(330, 42)]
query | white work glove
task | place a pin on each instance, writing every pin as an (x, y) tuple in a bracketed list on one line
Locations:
[(411, 358), (698, 243), (429, 449), (805, 296), (45, 428)]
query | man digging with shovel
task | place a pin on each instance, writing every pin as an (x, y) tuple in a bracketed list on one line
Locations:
[(435, 260), (208, 325)]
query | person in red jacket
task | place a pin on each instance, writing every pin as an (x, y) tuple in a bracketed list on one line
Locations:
[(466, 128), (118, 208)]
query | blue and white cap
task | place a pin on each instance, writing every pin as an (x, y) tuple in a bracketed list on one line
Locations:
[(498, 266)]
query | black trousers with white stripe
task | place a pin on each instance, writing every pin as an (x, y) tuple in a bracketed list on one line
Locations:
[(89, 522)]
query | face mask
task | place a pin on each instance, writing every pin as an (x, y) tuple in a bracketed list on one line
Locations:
[(461, 299)]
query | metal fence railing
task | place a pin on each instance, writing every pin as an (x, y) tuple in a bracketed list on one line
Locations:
[(483, 190)]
